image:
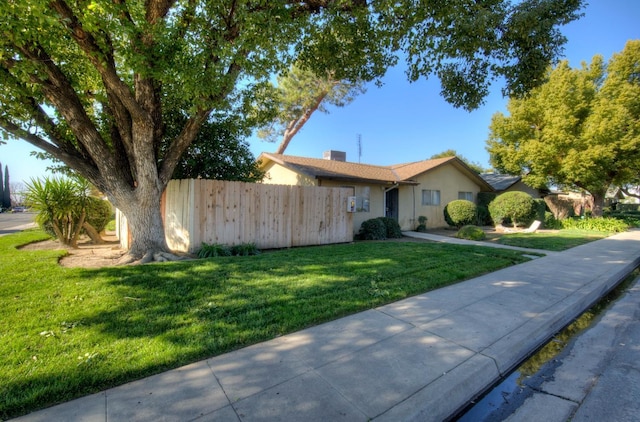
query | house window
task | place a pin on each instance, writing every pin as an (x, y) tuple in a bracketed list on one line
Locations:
[(363, 199), (430, 197), (466, 195)]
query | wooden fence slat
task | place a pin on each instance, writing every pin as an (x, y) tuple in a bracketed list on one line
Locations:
[(271, 216)]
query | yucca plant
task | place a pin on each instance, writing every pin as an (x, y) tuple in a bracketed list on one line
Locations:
[(61, 205)]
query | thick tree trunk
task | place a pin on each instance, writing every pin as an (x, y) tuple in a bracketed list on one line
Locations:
[(598, 204), (141, 207)]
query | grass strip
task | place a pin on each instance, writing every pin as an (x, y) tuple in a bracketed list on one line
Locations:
[(552, 241), (66, 332)]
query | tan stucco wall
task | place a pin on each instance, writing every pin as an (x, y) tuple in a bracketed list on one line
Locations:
[(448, 180), (276, 174), (376, 200)]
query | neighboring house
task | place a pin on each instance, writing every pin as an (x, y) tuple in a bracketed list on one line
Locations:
[(403, 191), (502, 183)]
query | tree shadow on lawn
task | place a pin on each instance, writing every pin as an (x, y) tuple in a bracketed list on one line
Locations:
[(146, 319)]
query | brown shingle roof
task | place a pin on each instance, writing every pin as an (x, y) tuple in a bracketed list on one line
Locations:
[(343, 170)]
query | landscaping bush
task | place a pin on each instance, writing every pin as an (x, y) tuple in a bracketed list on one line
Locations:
[(602, 224), (550, 221), (212, 250), (483, 218), (422, 224), (471, 232), (373, 229), (485, 198), (245, 249), (515, 207), (460, 212), (540, 209), (99, 213), (392, 228)]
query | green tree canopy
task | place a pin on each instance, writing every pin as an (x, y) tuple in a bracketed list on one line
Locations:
[(87, 82), (218, 151), (477, 167), (580, 129)]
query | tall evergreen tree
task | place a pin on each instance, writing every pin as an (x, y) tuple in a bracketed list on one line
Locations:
[(6, 192), (1, 189)]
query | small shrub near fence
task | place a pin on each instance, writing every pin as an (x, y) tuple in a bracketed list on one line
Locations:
[(380, 228), (213, 250)]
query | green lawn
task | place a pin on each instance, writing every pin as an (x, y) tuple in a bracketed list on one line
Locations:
[(68, 332), (552, 241)]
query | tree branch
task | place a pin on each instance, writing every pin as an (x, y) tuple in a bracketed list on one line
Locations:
[(627, 192), (295, 125), (103, 61)]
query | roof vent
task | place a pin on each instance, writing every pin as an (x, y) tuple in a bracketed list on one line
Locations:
[(335, 155)]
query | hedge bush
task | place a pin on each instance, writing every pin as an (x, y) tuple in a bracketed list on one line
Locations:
[(373, 229), (379, 229), (513, 207), (471, 232), (392, 228), (460, 212), (603, 224), (540, 209)]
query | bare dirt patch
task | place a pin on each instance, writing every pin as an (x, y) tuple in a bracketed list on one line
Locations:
[(87, 255)]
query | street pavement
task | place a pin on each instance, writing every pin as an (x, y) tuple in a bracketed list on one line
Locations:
[(420, 359), (595, 378)]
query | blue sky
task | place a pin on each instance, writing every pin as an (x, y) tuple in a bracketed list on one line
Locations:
[(402, 121)]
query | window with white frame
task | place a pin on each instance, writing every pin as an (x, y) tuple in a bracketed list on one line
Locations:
[(430, 197), (466, 195)]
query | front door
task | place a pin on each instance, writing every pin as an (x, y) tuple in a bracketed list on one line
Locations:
[(391, 204)]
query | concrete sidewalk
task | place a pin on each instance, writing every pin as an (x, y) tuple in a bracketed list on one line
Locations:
[(420, 359)]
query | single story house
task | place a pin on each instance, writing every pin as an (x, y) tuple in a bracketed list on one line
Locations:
[(402, 191)]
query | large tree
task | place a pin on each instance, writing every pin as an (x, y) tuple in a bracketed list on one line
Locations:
[(580, 129), (86, 81)]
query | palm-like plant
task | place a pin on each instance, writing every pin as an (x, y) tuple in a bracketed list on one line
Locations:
[(61, 205)]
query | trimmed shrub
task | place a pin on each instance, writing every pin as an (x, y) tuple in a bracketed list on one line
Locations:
[(460, 212), (373, 229), (392, 228), (514, 207), (471, 233)]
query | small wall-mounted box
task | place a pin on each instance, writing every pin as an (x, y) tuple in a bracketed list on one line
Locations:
[(351, 204)]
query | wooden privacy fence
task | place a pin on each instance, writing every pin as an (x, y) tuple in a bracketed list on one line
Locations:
[(270, 216)]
